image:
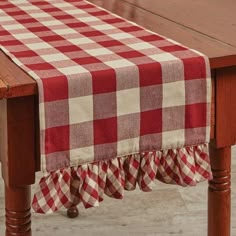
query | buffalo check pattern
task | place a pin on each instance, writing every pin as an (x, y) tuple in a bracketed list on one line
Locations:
[(108, 88), (87, 184)]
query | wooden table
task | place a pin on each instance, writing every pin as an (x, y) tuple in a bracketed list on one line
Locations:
[(205, 25)]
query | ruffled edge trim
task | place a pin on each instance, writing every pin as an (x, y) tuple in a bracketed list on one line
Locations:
[(87, 183)]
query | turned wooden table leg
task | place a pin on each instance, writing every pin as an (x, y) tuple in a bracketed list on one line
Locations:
[(18, 216), (18, 157), (219, 193)]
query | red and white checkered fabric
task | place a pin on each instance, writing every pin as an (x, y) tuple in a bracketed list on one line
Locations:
[(89, 182), (107, 88)]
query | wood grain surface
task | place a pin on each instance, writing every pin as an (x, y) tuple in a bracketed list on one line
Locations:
[(214, 18)]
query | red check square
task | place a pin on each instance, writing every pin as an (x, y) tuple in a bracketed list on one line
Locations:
[(28, 53), (11, 43), (151, 122), (86, 6), (40, 3), (130, 54), (111, 43), (173, 48), (6, 6), (104, 81), (92, 33), (195, 115), (99, 13), (53, 140), (58, 91), (41, 66), (4, 33), (68, 48), (16, 13), (131, 28), (150, 74), (52, 38), (105, 130), (77, 24), (38, 29), (194, 68), (113, 20), (64, 17), (26, 21), (86, 60), (51, 9)]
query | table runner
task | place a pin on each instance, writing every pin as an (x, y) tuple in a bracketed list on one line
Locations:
[(118, 104)]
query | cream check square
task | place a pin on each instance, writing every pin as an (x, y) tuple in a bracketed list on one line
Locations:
[(173, 139), (98, 52), (39, 15), (121, 36), (74, 11), (61, 4), (128, 146), (80, 40), (163, 57), (119, 63), (14, 27), (54, 57), (128, 101), (103, 27), (52, 22), (36, 46), (141, 46), (72, 70), (26, 36), (174, 90), (81, 155), (29, 7), (64, 31), (5, 18), (81, 109), (88, 19)]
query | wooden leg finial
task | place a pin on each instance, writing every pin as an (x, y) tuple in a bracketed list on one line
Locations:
[(72, 212), (18, 216)]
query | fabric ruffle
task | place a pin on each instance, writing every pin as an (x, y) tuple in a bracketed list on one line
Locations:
[(88, 183)]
